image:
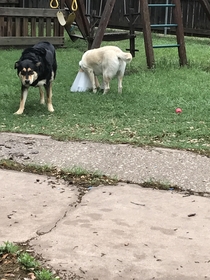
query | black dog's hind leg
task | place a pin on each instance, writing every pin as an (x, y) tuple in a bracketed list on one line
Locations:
[(48, 89), (24, 94)]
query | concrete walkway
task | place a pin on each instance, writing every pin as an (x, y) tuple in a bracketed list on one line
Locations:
[(116, 232), (128, 163)]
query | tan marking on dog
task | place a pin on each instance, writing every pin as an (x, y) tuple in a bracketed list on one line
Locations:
[(49, 97), (22, 102), (42, 99)]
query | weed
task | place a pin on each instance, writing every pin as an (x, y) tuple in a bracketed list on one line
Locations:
[(158, 185), (9, 247), (22, 264), (76, 175), (44, 274), (28, 261)]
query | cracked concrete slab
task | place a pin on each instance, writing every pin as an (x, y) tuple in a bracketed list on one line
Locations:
[(128, 163), (116, 232), (32, 205), (126, 232)]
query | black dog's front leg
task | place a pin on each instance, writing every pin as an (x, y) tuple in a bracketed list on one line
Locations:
[(48, 89), (24, 94)]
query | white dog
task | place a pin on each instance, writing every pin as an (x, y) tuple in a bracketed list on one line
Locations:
[(109, 61)]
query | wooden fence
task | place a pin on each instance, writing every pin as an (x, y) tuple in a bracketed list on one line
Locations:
[(24, 22), (195, 20), (26, 26)]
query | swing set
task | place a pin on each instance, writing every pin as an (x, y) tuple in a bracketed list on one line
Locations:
[(87, 20)]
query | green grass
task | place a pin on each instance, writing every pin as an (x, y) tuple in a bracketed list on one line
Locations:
[(25, 263), (8, 247), (28, 261), (143, 115), (76, 175)]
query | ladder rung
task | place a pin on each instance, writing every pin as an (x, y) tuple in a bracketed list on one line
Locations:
[(165, 46), (161, 5), (164, 25)]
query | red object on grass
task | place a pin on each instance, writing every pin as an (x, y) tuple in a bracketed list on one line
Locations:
[(178, 110)]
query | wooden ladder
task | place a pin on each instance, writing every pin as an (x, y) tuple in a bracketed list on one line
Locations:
[(175, 4)]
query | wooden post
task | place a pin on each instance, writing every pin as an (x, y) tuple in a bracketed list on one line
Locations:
[(180, 32), (132, 32), (147, 33), (103, 23)]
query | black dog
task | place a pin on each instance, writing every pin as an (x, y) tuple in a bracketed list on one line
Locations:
[(37, 67)]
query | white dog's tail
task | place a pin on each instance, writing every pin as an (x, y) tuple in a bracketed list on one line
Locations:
[(127, 57)]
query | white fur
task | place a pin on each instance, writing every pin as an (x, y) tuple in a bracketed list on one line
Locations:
[(108, 61)]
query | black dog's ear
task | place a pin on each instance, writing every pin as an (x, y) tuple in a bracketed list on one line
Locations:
[(16, 64)]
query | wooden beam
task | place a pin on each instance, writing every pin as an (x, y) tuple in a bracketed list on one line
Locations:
[(180, 32), (206, 5), (103, 23), (29, 41), (147, 33), (27, 12), (9, 2)]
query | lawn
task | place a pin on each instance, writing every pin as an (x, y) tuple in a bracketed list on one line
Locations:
[(144, 114)]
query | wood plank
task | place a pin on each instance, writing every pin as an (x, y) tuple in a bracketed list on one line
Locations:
[(9, 27), (197, 32), (41, 27), (103, 23), (147, 33), (25, 27), (29, 41), (116, 36), (48, 27), (28, 12), (180, 32), (33, 27), (56, 28), (9, 2), (17, 27), (2, 23)]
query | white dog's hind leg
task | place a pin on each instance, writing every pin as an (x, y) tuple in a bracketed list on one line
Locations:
[(120, 78), (121, 75), (106, 81)]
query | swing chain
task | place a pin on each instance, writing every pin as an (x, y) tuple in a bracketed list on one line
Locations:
[(54, 6), (74, 5)]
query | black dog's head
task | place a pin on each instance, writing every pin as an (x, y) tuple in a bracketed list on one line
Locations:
[(27, 71)]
